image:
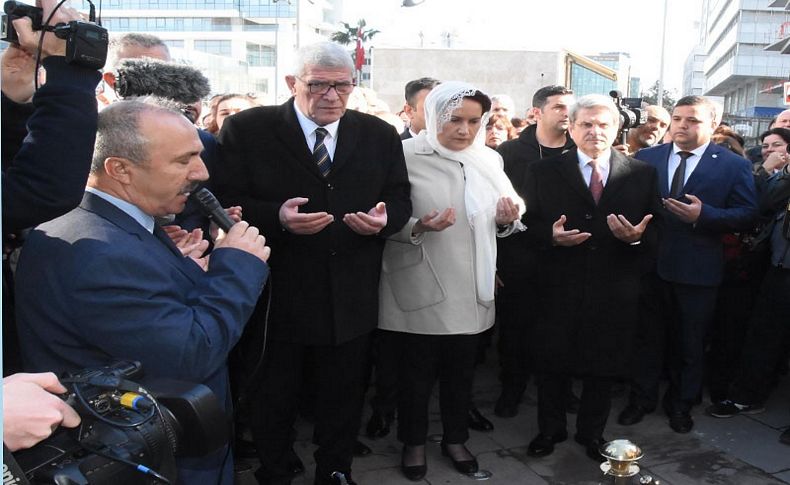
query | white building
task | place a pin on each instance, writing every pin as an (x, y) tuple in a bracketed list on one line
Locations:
[(241, 45), (736, 66)]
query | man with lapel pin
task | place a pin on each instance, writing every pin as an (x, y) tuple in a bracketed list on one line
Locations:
[(330, 185), (590, 212), (706, 191)]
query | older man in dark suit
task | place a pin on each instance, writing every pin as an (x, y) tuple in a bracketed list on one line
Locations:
[(116, 286), (330, 184), (589, 210), (707, 191)]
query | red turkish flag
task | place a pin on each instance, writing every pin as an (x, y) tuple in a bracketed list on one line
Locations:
[(360, 51)]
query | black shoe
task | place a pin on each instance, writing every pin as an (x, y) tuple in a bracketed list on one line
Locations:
[(361, 449), (572, 403), (378, 426), (415, 473), (543, 445), (592, 448), (463, 466), (477, 421), (244, 448), (631, 415), (728, 409), (295, 464), (785, 437), (335, 478), (680, 422), (507, 404)]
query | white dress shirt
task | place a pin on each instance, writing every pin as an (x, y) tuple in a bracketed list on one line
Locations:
[(586, 168), (308, 128), (691, 162)]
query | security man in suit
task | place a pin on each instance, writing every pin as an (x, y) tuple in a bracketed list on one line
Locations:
[(589, 212), (330, 185), (707, 191), (104, 283), (415, 93)]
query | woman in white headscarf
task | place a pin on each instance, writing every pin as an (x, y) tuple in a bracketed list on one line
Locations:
[(437, 284)]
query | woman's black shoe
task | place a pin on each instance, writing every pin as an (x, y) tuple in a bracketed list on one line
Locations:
[(477, 421), (414, 473), (463, 466)]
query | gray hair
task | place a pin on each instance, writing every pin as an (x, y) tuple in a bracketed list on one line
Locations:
[(591, 101), (146, 41), (118, 133), (322, 54), (505, 101)]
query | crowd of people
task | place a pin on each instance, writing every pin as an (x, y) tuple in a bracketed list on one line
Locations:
[(389, 254)]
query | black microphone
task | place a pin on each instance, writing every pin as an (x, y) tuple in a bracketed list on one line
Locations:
[(210, 206), (144, 77)]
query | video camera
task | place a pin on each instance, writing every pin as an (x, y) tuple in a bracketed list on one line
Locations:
[(631, 113), (129, 435), (86, 42)]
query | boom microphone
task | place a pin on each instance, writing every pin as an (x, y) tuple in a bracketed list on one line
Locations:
[(211, 207), (143, 77)]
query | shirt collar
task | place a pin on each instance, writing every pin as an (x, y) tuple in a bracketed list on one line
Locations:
[(603, 159), (697, 151), (309, 126), (132, 210)]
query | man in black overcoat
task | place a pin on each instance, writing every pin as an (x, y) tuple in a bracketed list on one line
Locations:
[(329, 185), (589, 211)]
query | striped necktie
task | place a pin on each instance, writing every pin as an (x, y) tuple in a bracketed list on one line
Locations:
[(320, 153)]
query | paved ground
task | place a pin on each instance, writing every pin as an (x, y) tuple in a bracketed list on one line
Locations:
[(742, 450)]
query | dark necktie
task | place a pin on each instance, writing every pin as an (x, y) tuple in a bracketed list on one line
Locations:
[(678, 179), (320, 153), (596, 184)]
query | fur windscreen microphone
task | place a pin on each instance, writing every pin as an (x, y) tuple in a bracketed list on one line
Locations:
[(211, 207), (144, 77)]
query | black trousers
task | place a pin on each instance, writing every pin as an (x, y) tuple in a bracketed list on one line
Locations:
[(596, 403), (424, 358), (384, 359), (512, 309), (676, 318), (766, 341), (274, 401)]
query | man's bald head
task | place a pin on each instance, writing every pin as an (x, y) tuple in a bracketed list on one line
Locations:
[(783, 120)]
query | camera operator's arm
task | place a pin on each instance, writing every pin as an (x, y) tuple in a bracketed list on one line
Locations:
[(31, 411), (47, 176)]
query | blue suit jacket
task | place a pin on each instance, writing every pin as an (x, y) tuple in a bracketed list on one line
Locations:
[(94, 286), (693, 253)]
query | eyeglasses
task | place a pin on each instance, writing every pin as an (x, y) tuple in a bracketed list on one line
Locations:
[(322, 87)]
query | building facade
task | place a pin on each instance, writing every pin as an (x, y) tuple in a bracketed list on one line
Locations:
[(244, 46), (737, 67)]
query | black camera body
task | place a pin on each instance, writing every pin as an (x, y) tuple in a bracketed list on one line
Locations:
[(631, 113), (126, 429), (86, 42)]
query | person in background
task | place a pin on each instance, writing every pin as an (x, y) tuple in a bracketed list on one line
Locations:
[(227, 105)]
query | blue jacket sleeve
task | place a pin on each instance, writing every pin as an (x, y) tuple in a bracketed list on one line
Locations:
[(740, 210), (179, 330), (47, 177)]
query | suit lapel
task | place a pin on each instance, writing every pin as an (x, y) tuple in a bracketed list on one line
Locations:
[(618, 168), (568, 166), (291, 136), (159, 249), (662, 166), (706, 164), (347, 139)]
